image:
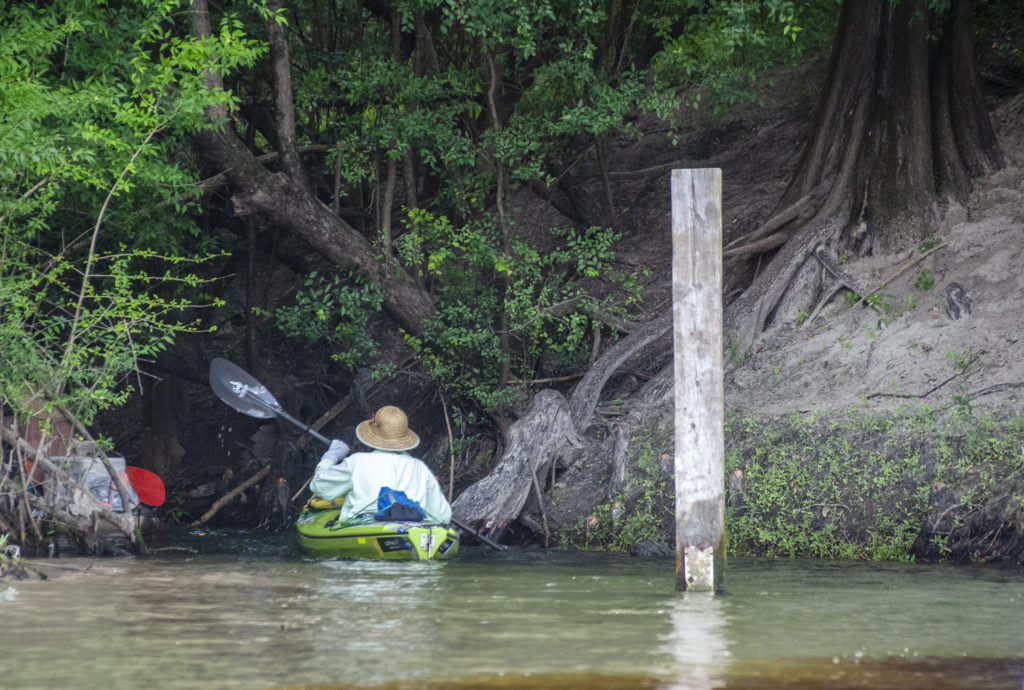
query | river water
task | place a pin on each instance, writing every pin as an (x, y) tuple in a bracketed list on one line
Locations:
[(243, 610)]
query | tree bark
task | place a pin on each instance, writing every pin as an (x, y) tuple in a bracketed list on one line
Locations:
[(588, 391), (550, 432), (544, 435), (900, 131), (971, 138), (284, 199), (284, 108), (915, 106)]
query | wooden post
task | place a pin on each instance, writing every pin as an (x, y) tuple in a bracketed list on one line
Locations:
[(699, 391)]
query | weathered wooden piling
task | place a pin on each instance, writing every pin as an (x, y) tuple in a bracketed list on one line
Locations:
[(699, 391)]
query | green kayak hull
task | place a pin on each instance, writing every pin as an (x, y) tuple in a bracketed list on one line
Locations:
[(321, 535)]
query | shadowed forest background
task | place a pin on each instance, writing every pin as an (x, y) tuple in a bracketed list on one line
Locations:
[(462, 208)]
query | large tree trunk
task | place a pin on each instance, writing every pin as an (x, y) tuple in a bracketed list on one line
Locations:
[(900, 131), (914, 108), (283, 199)]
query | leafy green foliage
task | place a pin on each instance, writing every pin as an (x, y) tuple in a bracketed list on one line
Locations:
[(642, 511), (818, 486), (99, 97), (483, 97), (462, 348), (886, 486), (94, 96), (727, 48), (962, 363), (982, 463), (897, 484), (69, 344), (334, 310), (925, 281)]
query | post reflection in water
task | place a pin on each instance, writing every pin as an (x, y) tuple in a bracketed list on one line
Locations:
[(698, 641)]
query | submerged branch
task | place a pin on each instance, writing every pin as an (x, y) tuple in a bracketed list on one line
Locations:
[(226, 498)]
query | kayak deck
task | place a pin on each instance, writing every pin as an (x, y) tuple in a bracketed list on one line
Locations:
[(320, 534)]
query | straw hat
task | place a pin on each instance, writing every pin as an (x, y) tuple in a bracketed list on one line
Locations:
[(388, 429)]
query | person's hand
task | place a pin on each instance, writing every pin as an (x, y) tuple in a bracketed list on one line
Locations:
[(338, 450)]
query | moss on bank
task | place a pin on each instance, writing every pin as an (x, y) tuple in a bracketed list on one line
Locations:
[(904, 484)]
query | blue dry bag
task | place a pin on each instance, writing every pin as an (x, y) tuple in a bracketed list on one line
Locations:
[(395, 505)]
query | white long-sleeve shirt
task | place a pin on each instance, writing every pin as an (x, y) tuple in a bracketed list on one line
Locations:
[(360, 476)]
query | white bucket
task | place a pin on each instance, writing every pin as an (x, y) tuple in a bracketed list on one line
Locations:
[(91, 473)]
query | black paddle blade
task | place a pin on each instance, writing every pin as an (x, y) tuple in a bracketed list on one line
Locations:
[(237, 388)]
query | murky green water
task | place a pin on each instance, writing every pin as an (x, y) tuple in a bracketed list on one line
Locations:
[(247, 611)]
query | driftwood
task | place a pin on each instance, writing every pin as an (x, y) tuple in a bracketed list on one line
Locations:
[(68, 502), (549, 435)]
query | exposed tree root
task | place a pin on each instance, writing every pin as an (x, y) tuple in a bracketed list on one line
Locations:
[(765, 237), (548, 437), (545, 434), (746, 317)]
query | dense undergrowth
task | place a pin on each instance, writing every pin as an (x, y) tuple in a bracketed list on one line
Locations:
[(905, 484)]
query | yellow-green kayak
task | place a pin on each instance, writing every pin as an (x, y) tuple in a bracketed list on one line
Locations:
[(320, 534)]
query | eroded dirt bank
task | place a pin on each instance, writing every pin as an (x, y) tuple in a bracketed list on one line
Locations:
[(886, 429)]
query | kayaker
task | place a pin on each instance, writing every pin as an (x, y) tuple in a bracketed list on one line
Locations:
[(361, 477)]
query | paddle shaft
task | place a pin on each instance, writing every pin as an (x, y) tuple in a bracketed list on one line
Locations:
[(284, 415), (493, 544)]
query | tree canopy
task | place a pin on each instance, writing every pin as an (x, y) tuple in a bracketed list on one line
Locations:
[(406, 129), (95, 99)]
